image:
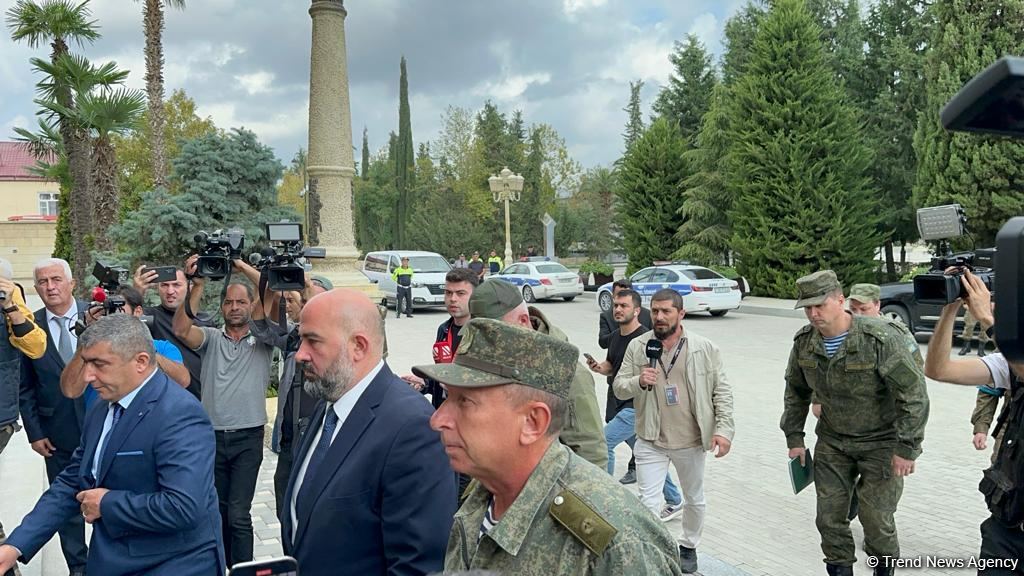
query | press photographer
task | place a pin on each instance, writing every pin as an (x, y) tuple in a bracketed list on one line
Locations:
[(125, 300)]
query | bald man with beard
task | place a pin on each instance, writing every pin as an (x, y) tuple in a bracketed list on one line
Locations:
[(371, 491)]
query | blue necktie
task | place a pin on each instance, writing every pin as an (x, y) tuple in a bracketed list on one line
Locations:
[(320, 450), (118, 412)]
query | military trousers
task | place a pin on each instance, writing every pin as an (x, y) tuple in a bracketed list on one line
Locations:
[(836, 472)]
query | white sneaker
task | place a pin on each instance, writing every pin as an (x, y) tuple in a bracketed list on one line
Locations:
[(669, 512)]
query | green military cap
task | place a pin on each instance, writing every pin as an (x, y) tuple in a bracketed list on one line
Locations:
[(493, 353), (815, 288), (493, 299), (865, 293), (323, 282)]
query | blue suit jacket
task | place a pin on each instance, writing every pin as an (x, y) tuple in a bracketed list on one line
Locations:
[(385, 493), (161, 514), (45, 412)]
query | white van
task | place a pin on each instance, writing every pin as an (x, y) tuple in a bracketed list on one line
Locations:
[(429, 269)]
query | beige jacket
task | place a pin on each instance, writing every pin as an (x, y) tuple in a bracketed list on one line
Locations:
[(710, 393)]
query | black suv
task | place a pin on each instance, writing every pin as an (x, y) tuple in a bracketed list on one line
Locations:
[(898, 301)]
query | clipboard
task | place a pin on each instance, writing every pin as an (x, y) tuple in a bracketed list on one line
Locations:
[(801, 477)]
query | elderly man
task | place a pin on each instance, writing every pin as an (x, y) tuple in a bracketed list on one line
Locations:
[(537, 508), (142, 474), (52, 422), (874, 407), (583, 431), (371, 491)]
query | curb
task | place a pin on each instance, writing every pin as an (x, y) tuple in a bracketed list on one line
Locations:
[(770, 311)]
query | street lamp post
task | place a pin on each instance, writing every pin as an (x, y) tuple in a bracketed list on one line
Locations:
[(506, 187)]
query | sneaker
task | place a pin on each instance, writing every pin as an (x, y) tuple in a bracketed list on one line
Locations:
[(687, 559), (628, 478), (670, 511)]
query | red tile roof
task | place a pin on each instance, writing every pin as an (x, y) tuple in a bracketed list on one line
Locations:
[(15, 160)]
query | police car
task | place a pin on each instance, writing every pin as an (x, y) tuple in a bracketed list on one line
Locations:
[(540, 280), (702, 289)]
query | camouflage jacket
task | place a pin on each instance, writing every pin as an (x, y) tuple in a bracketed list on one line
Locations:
[(584, 430), (872, 390), (570, 519)]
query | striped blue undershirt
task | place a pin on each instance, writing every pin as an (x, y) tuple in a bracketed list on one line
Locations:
[(489, 522), (832, 344)]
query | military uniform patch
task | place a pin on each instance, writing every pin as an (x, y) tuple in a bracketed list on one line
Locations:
[(580, 519)]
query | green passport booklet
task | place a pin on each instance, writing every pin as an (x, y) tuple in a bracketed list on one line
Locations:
[(801, 476)]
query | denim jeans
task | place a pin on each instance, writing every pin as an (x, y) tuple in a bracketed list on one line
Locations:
[(621, 429)]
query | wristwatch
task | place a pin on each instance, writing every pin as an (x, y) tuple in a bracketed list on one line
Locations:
[(13, 308)]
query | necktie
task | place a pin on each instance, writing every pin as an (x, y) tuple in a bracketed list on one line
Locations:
[(320, 450), (64, 347), (118, 412)]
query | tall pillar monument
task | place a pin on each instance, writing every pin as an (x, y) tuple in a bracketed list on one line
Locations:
[(330, 166)]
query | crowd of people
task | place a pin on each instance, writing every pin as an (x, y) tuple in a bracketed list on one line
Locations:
[(153, 432)]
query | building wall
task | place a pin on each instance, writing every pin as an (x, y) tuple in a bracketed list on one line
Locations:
[(20, 198), (24, 244)]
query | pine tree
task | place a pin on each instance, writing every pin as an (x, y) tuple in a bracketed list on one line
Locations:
[(404, 159), (635, 123), (740, 30), (364, 165), (705, 234), (797, 162), (983, 174), (688, 94), (650, 194)]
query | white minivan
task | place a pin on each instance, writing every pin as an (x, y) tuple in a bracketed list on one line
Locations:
[(429, 269)]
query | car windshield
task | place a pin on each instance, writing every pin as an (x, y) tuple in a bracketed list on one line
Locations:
[(702, 274), (426, 264), (551, 268)]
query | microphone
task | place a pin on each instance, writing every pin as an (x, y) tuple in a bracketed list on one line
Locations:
[(654, 349), (99, 295)]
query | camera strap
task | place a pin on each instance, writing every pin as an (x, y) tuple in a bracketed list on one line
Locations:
[(188, 294)]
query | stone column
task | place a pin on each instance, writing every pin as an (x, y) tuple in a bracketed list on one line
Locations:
[(330, 165)]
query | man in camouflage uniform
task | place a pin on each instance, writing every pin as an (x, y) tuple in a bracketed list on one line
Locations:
[(865, 300), (584, 429), (536, 508), (874, 409)]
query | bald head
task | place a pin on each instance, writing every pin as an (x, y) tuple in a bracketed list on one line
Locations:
[(344, 311)]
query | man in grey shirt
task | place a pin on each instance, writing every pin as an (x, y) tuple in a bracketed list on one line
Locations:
[(235, 374)]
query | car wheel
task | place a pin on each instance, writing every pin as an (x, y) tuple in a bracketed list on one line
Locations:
[(605, 301), (569, 298), (528, 296), (897, 312), (718, 313)]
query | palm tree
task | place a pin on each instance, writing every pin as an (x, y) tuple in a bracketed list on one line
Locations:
[(59, 22), (153, 22), (52, 164)]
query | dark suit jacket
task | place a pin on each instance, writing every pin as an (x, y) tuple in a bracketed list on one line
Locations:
[(161, 515), (385, 494), (45, 412), (607, 325)]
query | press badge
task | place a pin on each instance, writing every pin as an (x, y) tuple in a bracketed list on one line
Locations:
[(672, 395)]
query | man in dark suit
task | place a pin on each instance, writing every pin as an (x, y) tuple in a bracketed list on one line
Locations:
[(52, 422), (371, 490), (142, 474)]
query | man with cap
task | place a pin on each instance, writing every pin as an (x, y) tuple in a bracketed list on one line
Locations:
[(536, 508), (874, 407), (403, 287), (583, 431)]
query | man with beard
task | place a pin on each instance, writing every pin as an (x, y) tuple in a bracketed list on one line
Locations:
[(236, 373), (683, 411), (172, 295), (371, 491)]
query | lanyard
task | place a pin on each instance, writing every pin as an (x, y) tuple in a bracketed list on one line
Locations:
[(675, 356)]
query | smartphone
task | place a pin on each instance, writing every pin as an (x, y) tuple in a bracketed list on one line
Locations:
[(163, 273), (589, 357), (281, 566)]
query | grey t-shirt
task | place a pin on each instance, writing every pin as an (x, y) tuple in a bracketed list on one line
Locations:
[(235, 377)]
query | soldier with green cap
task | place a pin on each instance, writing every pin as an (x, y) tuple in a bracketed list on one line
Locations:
[(536, 508), (874, 407), (584, 430)]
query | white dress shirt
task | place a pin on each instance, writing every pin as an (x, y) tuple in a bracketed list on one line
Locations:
[(108, 422), (53, 323), (343, 407)]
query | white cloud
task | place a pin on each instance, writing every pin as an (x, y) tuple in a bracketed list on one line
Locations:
[(645, 57), (571, 7), (705, 28), (257, 82), (288, 123), (510, 87)]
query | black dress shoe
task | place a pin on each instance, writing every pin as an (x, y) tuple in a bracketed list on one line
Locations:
[(687, 559), (834, 570), (981, 351), (966, 348)]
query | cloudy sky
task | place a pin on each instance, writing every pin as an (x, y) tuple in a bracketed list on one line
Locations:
[(246, 62)]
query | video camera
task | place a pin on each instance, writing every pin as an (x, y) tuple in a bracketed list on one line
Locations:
[(216, 251), (943, 223), (285, 261), (110, 278), (993, 103)]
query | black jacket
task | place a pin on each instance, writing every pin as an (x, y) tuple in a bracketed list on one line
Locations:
[(607, 325)]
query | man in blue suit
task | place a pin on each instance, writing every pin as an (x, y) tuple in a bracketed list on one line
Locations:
[(371, 490), (142, 474), (52, 422)]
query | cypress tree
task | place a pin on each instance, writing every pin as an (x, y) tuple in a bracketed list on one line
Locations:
[(688, 94), (982, 173), (649, 192), (404, 158), (797, 162), (635, 123), (364, 166)]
